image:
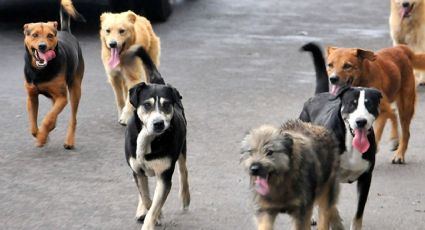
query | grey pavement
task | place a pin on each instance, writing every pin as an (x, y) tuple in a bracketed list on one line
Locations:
[(237, 65)]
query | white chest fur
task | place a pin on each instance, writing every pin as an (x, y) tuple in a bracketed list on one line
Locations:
[(352, 164), (152, 167)]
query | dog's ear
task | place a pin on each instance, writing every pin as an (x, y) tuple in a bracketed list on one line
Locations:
[(365, 54), (330, 49), (54, 24), (134, 93), (376, 94), (175, 94), (103, 16), (131, 16), (26, 29), (287, 142)]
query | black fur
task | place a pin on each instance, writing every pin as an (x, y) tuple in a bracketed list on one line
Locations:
[(322, 83)]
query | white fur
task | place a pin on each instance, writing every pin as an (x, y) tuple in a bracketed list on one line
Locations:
[(361, 112)]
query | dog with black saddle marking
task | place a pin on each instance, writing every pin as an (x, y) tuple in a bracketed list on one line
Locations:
[(292, 168), (155, 140), (54, 66), (350, 114)]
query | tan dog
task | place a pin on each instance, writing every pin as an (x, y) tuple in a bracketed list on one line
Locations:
[(407, 26), (118, 32), (391, 71), (53, 65)]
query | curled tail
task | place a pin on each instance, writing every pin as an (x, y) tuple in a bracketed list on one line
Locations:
[(153, 76), (67, 9), (322, 84)]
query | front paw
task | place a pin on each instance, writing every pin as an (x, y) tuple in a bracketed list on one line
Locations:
[(34, 132), (41, 139)]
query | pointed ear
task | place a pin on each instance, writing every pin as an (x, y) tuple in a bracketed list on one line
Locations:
[(134, 93), (330, 49), (103, 16), (366, 54), (131, 16), (54, 24), (26, 29)]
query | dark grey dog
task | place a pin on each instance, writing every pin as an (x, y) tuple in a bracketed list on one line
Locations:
[(291, 169)]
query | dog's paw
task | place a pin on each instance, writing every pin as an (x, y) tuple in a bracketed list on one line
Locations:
[(313, 221), (140, 218), (41, 139), (394, 144), (397, 160), (68, 146), (34, 132), (185, 197)]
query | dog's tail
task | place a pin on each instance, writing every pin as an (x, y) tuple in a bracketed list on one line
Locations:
[(68, 10), (153, 75), (322, 84)]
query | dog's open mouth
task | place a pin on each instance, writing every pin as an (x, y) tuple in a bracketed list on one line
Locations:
[(261, 185), (41, 59), (360, 140), (406, 12), (114, 60), (334, 89)]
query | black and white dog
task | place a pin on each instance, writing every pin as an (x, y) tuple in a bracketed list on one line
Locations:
[(155, 140), (350, 115)]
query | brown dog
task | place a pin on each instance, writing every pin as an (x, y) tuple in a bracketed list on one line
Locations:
[(53, 65), (118, 32), (391, 71)]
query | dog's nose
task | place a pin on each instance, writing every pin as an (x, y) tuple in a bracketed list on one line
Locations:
[(113, 44), (255, 169), (405, 4), (42, 46), (361, 122), (158, 126), (334, 79)]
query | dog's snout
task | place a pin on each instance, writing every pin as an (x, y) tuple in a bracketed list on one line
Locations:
[(158, 126), (361, 122), (113, 44), (334, 79), (405, 4), (255, 169), (42, 46)]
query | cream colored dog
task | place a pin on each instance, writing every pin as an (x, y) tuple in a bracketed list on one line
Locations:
[(118, 32), (407, 26)]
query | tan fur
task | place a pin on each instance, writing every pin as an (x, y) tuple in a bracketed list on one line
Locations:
[(410, 30), (69, 8), (137, 30), (389, 70)]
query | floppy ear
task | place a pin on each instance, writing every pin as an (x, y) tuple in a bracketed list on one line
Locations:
[(376, 93), (366, 54), (287, 142), (134, 93), (131, 16), (330, 49), (26, 30), (103, 17), (175, 94)]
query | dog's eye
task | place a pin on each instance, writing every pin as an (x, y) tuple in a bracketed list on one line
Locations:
[(347, 66), (108, 31), (330, 65), (50, 36), (147, 106), (121, 31), (34, 35), (269, 152)]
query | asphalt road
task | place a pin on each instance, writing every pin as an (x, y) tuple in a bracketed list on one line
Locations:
[(237, 65)]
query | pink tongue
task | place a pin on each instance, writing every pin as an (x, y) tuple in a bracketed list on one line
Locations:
[(115, 58), (360, 141), (49, 55), (334, 89), (404, 12), (261, 185)]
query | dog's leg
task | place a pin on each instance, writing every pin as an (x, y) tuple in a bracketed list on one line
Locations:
[(74, 96), (265, 220), (163, 187), (49, 121), (145, 201), (184, 184), (363, 186), (117, 83), (32, 108), (385, 111), (406, 109), (302, 220), (394, 138)]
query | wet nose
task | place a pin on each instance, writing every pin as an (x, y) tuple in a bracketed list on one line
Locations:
[(158, 126), (113, 44), (334, 79), (361, 122), (42, 46), (405, 4), (255, 169)]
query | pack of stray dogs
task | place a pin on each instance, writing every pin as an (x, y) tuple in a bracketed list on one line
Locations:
[(292, 168)]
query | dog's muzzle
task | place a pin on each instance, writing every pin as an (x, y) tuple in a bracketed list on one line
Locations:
[(158, 126)]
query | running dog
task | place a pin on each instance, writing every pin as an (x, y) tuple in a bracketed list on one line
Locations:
[(407, 26), (155, 140), (292, 168), (53, 65), (388, 70), (350, 114), (118, 32)]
